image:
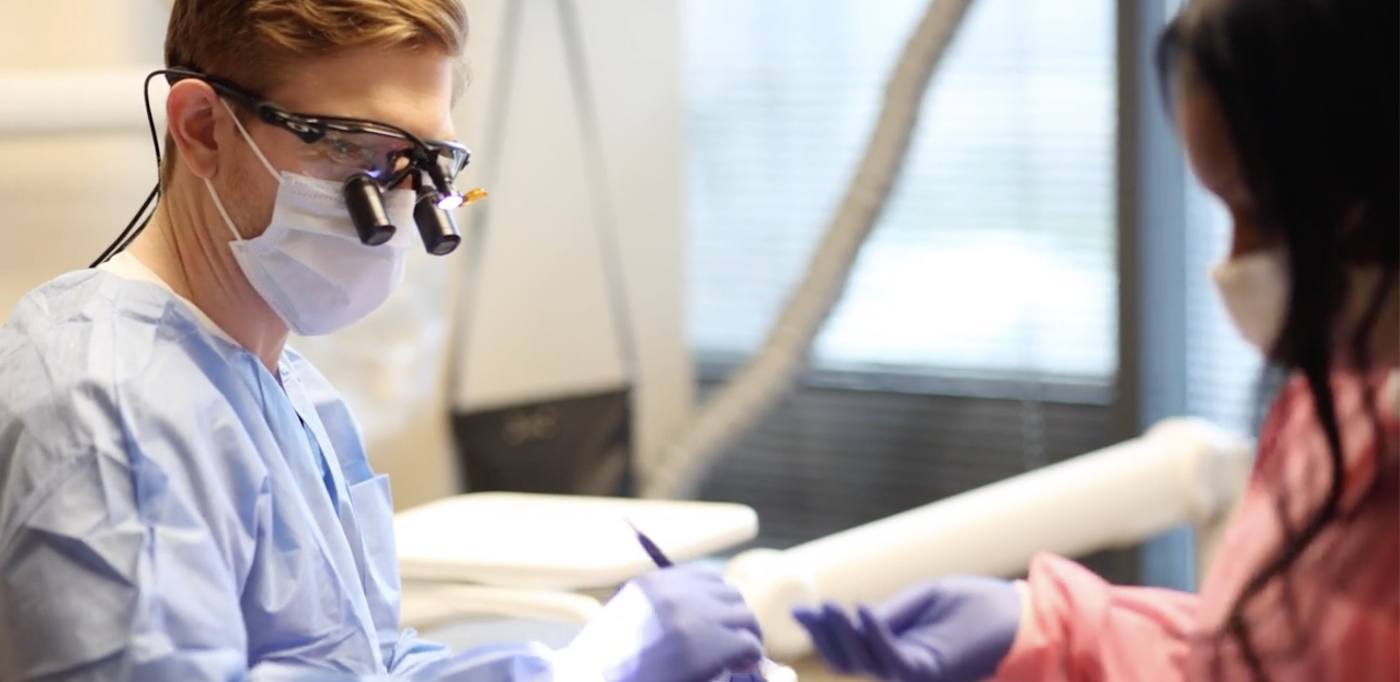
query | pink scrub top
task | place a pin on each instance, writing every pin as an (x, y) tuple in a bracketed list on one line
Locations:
[(1334, 616)]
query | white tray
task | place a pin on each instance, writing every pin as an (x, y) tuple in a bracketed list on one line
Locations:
[(558, 542)]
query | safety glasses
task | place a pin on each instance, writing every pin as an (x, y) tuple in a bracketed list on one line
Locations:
[(342, 147), (368, 158)]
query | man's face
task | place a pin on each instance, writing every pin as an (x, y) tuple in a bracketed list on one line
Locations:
[(411, 89)]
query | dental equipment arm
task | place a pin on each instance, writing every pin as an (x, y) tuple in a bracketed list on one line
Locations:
[(1180, 471)]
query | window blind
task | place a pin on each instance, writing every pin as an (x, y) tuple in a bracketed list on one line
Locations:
[(986, 301), (996, 253)]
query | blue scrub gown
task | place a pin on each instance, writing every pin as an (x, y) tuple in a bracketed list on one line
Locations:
[(170, 510)]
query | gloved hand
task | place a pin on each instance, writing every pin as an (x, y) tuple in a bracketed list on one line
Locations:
[(679, 624), (956, 629)]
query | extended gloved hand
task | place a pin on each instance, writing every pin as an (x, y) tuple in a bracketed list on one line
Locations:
[(956, 629), (674, 625)]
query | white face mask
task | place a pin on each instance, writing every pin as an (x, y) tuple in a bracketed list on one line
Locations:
[(309, 265), (1254, 288)]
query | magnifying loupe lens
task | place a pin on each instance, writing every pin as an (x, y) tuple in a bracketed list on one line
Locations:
[(366, 207)]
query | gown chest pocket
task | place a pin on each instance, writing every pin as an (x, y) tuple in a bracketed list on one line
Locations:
[(374, 515)]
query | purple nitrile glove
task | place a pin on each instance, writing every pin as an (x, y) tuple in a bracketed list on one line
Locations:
[(955, 629), (681, 624)]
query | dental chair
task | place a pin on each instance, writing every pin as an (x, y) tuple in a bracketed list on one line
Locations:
[(484, 566)]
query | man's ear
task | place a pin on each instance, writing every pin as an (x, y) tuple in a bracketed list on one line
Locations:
[(190, 114)]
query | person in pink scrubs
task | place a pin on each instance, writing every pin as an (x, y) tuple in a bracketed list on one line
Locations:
[(1288, 113)]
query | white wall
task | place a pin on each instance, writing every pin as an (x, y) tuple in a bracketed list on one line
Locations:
[(64, 195), (542, 325)]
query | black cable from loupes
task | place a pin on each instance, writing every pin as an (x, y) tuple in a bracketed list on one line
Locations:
[(133, 229)]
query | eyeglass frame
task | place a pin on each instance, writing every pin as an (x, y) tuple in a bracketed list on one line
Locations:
[(311, 128)]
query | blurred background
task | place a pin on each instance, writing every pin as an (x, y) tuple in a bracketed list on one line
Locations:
[(1035, 289)]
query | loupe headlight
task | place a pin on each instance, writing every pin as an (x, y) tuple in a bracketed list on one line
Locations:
[(447, 196)]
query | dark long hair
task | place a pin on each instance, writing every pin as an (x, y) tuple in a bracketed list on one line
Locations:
[(1309, 92)]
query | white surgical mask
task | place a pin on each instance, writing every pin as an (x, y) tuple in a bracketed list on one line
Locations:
[(309, 265), (1254, 288)]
